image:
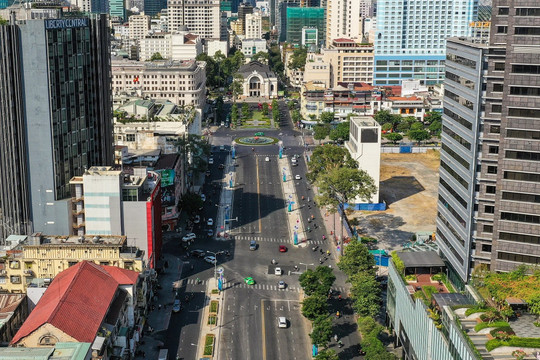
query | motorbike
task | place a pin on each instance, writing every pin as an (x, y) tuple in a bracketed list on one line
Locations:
[(315, 248)]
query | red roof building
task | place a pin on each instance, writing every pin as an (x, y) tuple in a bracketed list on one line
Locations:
[(75, 305)]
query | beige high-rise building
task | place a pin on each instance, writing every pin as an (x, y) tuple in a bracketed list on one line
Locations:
[(253, 26), (138, 26), (343, 20), (202, 17), (350, 61)]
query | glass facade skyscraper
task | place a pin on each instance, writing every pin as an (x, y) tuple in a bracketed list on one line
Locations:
[(410, 39), (299, 18)]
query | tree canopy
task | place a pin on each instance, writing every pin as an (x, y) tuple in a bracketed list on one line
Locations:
[(196, 149), (220, 69), (394, 137), (418, 135), (384, 116), (317, 282), (327, 354), (156, 56), (327, 117), (260, 56), (328, 157), (314, 306), (341, 185), (365, 291), (356, 258), (341, 132), (321, 131), (322, 331), (190, 202), (298, 58)]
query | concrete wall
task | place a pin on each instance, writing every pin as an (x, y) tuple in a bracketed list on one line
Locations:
[(136, 224)]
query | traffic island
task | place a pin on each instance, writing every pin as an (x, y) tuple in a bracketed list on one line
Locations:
[(210, 329), (209, 346)]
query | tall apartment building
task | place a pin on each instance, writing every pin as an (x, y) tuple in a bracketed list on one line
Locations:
[(244, 9), (253, 26), (410, 39), (350, 61), (117, 10), (181, 82), (343, 20), (57, 117), (202, 17), (489, 207), (154, 7), (139, 25)]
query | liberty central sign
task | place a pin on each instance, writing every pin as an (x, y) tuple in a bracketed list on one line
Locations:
[(65, 23)]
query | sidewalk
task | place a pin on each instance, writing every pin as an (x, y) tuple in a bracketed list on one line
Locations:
[(294, 218), (158, 319)]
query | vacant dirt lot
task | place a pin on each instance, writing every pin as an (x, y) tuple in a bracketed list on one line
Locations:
[(409, 187)]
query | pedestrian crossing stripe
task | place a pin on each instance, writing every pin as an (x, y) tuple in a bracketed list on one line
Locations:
[(277, 240), (229, 285)]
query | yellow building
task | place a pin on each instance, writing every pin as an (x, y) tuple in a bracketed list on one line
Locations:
[(43, 257)]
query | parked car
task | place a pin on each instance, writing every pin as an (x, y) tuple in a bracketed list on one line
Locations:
[(189, 237), (211, 161), (198, 253), (210, 259), (210, 222), (210, 232), (277, 271), (221, 166)]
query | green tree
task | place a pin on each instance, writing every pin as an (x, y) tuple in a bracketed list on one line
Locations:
[(290, 105), (384, 116), (195, 149), (356, 259), (321, 131), (260, 56), (234, 114), (394, 137), (213, 73), (327, 158), (314, 306), (298, 59), (431, 117), (322, 331), (365, 292), (534, 304), (402, 127), (274, 60), (341, 185), (245, 110), (417, 125), (327, 354), (317, 282), (435, 127), (296, 117), (341, 132), (156, 56), (190, 202), (418, 135), (237, 86), (219, 109), (265, 108), (3, 21), (326, 117), (387, 127)]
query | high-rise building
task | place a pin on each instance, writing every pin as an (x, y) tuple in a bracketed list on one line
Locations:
[(202, 17), (243, 10), (117, 10), (343, 20), (281, 16), (153, 7), (139, 25), (55, 118), (489, 191), (253, 26), (410, 39), (301, 17)]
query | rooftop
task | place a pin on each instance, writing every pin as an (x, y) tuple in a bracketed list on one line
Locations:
[(41, 240), (420, 259), (158, 65), (364, 121)]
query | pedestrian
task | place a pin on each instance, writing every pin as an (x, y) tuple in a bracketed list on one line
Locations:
[(335, 338), (159, 307)]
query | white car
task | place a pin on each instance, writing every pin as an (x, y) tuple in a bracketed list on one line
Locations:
[(278, 271), (281, 284), (189, 237), (297, 177), (211, 161), (267, 159), (282, 322), (203, 197), (210, 259), (210, 222)]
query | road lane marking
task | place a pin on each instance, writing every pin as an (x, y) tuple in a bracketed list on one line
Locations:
[(258, 194), (263, 331)]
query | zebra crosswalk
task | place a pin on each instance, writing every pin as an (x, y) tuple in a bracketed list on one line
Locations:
[(274, 240)]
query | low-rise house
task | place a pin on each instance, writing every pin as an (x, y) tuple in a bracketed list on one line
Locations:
[(86, 303), (13, 312), (405, 106)]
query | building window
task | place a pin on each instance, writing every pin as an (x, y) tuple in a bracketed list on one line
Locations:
[(503, 11), (487, 229), (502, 29), (519, 217), (528, 113), (496, 108), (522, 155), (499, 66), (490, 189), (521, 176), (518, 258), (532, 31), (489, 209), (497, 87), (492, 169), (528, 239), (495, 129), (526, 69), (528, 12), (455, 175), (523, 197), (486, 248), (493, 149), (524, 91)]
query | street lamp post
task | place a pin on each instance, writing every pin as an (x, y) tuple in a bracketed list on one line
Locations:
[(306, 265), (215, 262)]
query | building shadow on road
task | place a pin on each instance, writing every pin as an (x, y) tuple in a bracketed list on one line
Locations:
[(399, 187)]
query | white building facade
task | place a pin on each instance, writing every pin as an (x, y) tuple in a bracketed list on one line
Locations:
[(181, 82), (253, 26), (202, 17), (343, 20), (179, 46), (252, 46), (139, 25)]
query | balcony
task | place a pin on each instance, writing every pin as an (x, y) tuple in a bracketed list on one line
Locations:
[(79, 225), (77, 198)]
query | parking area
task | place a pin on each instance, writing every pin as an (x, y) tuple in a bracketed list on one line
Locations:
[(409, 186)]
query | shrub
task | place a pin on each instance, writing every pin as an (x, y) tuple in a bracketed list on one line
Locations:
[(497, 324), (498, 332), (400, 266), (429, 291), (214, 306), (212, 320), (437, 277), (476, 309), (209, 345), (491, 315), (515, 342), (411, 277)]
